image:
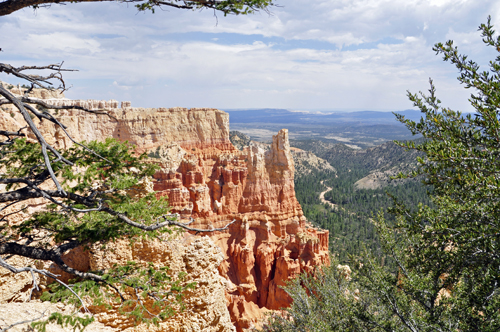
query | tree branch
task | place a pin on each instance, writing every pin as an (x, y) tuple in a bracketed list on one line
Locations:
[(28, 100), (228, 7), (159, 225), (38, 135), (42, 272), (53, 255), (22, 322), (33, 79)]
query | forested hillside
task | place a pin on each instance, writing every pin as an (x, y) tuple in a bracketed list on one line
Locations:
[(381, 157), (239, 139), (350, 219)]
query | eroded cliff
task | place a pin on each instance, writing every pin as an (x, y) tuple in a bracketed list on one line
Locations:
[(207, 178)]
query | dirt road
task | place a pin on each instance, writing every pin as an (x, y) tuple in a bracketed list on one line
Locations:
[(322, 196)]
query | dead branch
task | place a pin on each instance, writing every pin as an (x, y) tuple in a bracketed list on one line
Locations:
[(38, 136), (11, 133), (36, 101), (23, 322), (46, 273), (36, 79), (30, 186)]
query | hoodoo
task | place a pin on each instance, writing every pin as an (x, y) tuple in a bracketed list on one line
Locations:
[(205, 177)]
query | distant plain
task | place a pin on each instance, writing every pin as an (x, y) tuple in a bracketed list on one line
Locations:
[(358, 130)]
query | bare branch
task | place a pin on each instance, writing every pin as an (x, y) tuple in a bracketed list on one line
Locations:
[(9, 214), (95, 205), (38, 174), (28, 100), (42, 272), (159, 225), (38, 135), (34, 79), (41, 116), (75, 142), (23, 322), (12, 133)]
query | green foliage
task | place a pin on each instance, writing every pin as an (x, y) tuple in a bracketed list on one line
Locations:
[(98, 226), (332, 301), (318, 304), (371, 298), (238, 7), (351, 223), (154, 154), (110, 161), (460, 238), (76, 322), (137, 285), (111, 179), (41, 108), (348, 230)]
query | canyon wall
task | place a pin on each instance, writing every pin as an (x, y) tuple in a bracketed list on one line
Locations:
[(207, 178)]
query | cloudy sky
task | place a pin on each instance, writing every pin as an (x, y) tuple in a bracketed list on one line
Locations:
[(315, 54)]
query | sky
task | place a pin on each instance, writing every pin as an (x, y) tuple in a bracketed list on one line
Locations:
[(304, 55)]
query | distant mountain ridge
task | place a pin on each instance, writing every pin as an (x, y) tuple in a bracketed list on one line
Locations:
[(359, 130), (284, 116)]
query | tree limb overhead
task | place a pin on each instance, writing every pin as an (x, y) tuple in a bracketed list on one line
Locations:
[(225, 6)]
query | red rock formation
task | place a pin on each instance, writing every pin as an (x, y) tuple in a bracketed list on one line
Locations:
[(270, 242), (207, 178)]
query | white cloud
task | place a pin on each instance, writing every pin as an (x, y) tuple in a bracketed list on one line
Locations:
[(60, 42), (321, 54)]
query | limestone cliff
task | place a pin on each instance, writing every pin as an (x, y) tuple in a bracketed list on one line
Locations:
[(205, 308), (207, 178)]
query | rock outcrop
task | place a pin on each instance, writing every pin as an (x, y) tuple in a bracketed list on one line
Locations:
[(207, 178), (205, 306), (199, 257), (380, 179), (239, 139), (307, 162)]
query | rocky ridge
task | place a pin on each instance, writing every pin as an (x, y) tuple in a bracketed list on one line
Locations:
[(239, 139), (305, 162), (207, 178), (380, 179)]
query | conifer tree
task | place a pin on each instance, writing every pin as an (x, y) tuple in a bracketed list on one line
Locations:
[(445, 274)]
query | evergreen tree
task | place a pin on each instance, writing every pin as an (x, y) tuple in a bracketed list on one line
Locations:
[(447, 256)]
